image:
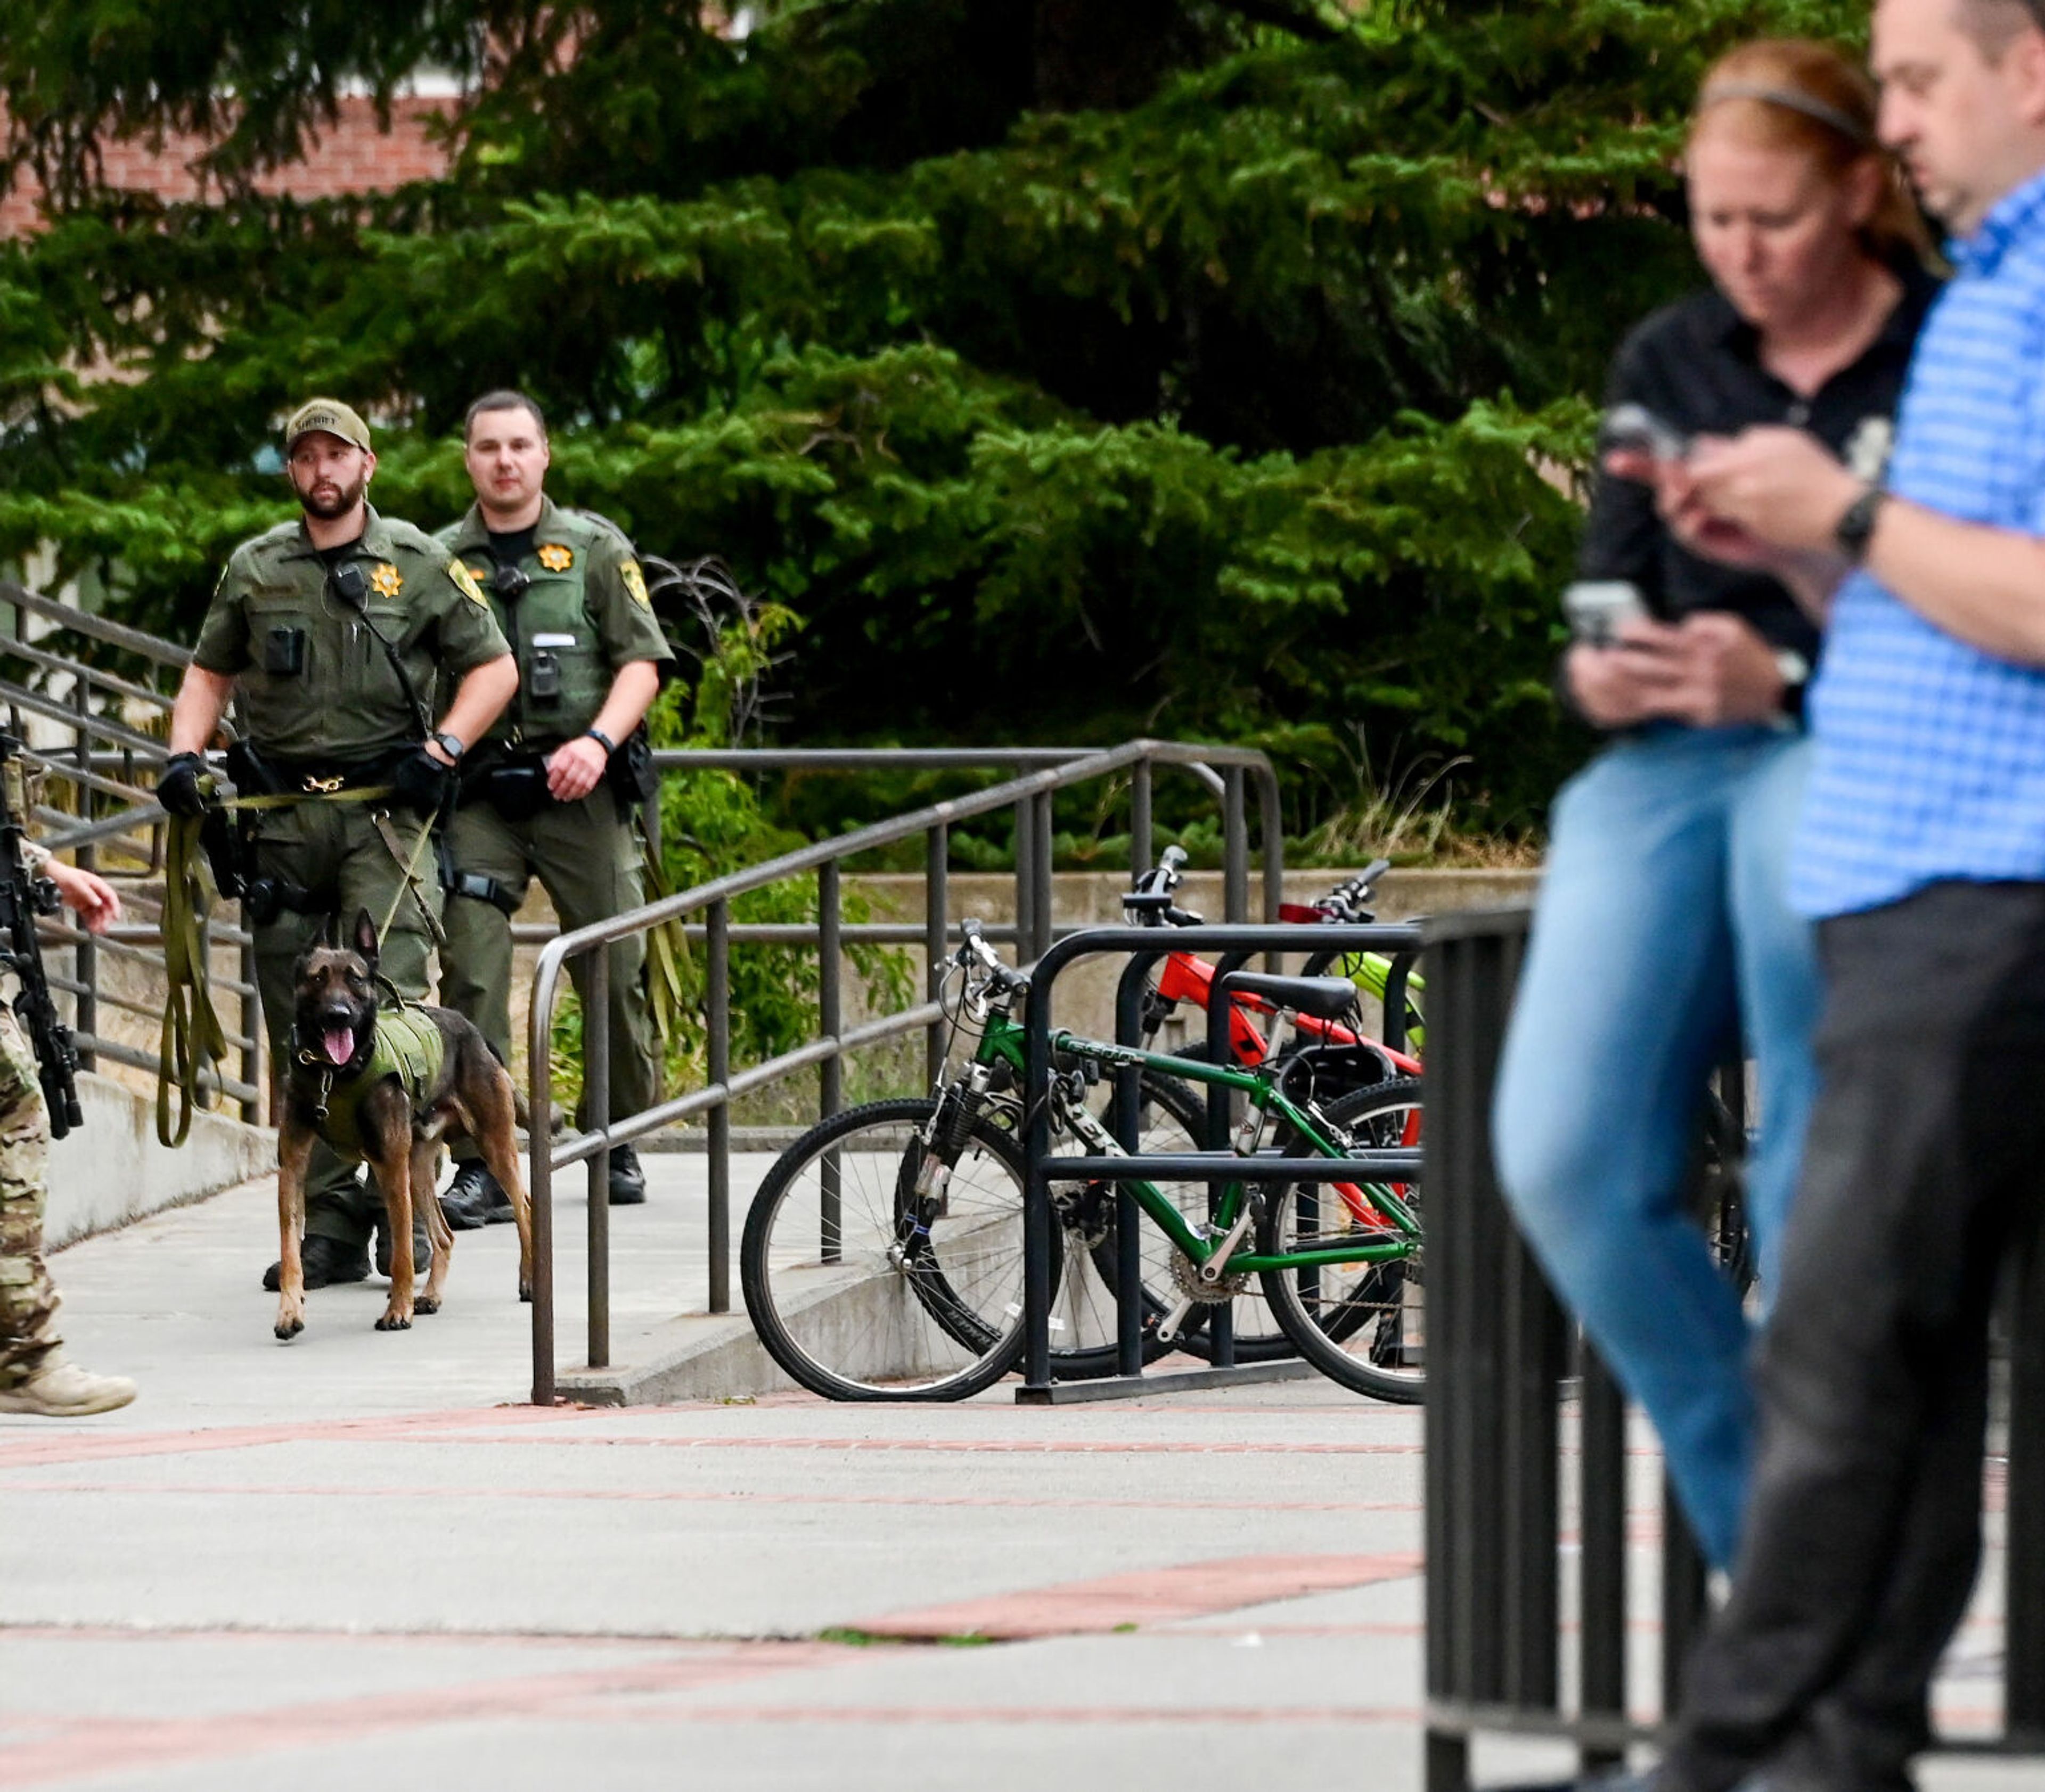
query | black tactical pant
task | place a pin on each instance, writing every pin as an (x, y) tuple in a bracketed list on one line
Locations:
[(1926, 1154)]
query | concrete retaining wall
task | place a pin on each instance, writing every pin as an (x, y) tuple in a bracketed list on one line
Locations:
[(111, 1169)]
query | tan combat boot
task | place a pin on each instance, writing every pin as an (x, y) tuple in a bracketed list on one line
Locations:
[(57, 1390)]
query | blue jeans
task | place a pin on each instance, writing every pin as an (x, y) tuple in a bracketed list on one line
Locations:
[(1662, 921)]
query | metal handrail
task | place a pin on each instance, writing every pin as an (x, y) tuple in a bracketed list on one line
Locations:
[(151, 647), (1030, 796)]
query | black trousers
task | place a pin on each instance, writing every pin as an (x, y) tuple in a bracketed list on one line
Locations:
[(1926, 1152)]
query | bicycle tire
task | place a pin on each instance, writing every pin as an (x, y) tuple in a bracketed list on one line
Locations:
[(1355, 1322), (854, 1323)]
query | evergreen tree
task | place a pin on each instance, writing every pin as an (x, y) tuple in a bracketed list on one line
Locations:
[(1201, 367)]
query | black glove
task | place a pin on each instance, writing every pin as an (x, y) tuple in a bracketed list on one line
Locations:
[(177, 789), (422, 782)]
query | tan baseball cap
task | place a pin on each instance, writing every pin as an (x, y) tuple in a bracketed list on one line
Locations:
[(331, 415)]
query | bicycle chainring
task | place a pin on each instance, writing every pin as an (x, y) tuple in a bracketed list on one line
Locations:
[(1186, 1278)]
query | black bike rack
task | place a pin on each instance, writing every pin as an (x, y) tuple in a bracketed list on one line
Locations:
[(1218, 1164), (1498, 1354)]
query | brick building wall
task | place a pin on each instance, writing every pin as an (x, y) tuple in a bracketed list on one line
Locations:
[(355, 154)]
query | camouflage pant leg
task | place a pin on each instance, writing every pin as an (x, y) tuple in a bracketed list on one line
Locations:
[(28, 1297)]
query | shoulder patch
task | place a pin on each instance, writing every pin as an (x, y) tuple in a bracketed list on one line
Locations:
[(555, 557), (635, 582), (465, 583)]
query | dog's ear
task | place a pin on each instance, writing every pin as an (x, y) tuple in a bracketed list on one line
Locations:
[(365, 935), (329, 933)]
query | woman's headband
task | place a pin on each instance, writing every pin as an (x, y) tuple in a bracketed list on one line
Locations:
[(1796, 100)]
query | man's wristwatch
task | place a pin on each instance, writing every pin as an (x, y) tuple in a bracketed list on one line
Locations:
[(1851, 534), (449, 744), (602, 739)]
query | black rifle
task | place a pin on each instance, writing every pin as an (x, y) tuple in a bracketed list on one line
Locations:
[(23, 897)]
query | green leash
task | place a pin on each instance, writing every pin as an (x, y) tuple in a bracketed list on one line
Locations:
[(192, 1042)]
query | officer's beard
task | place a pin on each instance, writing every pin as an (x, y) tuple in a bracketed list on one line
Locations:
[(328, 499)]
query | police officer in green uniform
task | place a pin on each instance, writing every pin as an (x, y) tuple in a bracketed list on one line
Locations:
[(347, 633), (549, 792)]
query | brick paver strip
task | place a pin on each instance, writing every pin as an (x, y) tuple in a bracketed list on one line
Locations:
[(1154, 1596)]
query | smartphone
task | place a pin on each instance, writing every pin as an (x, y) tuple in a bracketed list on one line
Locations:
[(1635, 427), (1596, 606)]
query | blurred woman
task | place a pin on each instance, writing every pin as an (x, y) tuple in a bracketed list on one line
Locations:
[(1663, 932)]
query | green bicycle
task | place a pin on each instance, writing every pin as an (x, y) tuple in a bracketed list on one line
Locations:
[(882, 1257)]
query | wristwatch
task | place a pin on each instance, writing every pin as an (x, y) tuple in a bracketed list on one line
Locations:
[(449, 744), (602, 739), (1852, 532)]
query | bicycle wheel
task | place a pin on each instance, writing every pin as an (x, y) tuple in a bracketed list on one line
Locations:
[(861, 1289), (1362, 1324), (1174, 1119)]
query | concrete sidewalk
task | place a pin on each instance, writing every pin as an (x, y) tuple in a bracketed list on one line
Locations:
[(357, 1557)]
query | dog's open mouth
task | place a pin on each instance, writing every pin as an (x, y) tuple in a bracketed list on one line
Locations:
[(340, 1043)]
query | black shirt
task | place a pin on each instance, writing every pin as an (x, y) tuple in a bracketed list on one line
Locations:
[(508, 547), (1696, 365)]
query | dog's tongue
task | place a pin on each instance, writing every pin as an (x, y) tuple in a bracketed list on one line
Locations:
[(340, 1044)]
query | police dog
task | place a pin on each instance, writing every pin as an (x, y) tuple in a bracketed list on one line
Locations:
[(333, 1036)]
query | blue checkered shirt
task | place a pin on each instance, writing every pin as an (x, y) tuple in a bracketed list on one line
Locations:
[(1930, 764)]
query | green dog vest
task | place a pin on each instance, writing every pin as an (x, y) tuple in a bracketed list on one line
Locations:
[(410, 1047)]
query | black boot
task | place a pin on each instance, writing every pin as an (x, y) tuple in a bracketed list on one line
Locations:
[(422, 1251), (475, 1198), (327, 1261), (627, 1181)]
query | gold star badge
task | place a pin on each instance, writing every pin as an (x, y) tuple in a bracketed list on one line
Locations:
[(555, 558), (635, 582), (385, 581)]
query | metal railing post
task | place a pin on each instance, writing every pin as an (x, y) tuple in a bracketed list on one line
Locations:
[(596, 1114), (1235, 847), (718, 1019), (1042, 905), (1128, 1219), (1026, 878), (1142, 830), (937, 900), (830, 1074), (540, 1175), (1601, 1525)]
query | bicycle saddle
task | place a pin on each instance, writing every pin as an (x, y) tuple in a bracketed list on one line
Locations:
[(1325, 998)]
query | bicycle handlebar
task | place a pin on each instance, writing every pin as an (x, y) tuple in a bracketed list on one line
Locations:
[(974, 951)]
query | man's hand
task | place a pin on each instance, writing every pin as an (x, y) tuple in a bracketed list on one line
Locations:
[(1711, 670), (177, 789), (96, 901), (1781, 486), (575, 767), (423, 779)]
